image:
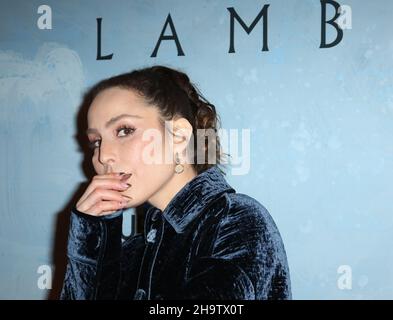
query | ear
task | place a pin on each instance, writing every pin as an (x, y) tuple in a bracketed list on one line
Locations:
[(182, 133)]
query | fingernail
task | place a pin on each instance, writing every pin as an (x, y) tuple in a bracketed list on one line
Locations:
[(125, 177), (125, 185)]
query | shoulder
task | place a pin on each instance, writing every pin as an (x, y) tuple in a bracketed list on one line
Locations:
[(246, 229), (249, 218), (244, 208)]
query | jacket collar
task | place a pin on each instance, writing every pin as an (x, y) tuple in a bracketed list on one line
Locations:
[(196, 195)]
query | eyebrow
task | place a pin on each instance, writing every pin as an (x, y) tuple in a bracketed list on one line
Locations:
[(113, 120)]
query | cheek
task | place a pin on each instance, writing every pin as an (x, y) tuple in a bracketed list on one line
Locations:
[(132, 153), (147, 151), (148, 178)]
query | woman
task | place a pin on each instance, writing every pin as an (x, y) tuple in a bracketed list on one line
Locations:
[(201, 239)]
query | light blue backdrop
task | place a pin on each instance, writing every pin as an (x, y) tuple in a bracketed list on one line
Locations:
[(321, 124)]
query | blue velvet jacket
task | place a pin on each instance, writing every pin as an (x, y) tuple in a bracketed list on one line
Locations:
[(209, 243)]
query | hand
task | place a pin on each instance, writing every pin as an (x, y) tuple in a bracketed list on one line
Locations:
[(102, 196)]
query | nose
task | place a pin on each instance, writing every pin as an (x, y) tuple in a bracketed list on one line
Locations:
[(106, 158)]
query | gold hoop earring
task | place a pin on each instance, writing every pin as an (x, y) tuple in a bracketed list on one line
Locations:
[(179, 168)]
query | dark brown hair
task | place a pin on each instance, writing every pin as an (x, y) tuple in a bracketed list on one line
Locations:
[(173, 94)]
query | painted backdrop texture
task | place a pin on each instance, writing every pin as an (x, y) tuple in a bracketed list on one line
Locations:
[(321, 124)]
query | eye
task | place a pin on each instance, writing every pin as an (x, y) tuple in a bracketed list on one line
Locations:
[(126, 129)]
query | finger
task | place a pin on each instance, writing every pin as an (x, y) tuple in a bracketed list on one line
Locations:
[(110, 175), (106, 207), (101, 195), (109, 183), (126, 203)]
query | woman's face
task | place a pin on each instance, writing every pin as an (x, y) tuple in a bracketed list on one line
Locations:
[(118, 145)]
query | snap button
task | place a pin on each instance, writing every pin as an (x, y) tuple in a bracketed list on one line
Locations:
[(151, 236), (140, 294)]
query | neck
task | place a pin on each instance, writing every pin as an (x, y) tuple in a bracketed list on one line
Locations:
[(162, 198)]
